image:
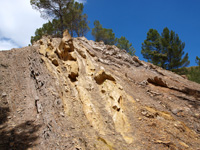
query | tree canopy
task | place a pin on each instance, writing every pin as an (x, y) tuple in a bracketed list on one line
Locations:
[(103, 34), (72, 19), (50, 28), (51, 9), (108, 37), (151, 48), (165, 50), (197, 61), (123, 43)]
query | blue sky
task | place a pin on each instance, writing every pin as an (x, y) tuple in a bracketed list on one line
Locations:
[(133, 19), (129, 18)]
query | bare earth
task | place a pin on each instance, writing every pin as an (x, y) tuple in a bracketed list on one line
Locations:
[(75, 94)]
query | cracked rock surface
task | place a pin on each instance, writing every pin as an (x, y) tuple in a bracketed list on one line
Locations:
[(76, 94)]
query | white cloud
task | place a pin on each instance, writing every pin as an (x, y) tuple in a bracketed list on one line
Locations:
[(81, 1), (6, 44), (18, 22)]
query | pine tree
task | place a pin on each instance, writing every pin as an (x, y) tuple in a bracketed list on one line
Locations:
[(108, 37), (51, 9), (165, 50), (97, 31), (197, 61), (103, 34), (50, 28), (151, 48), (73, 19), (123, 43), (173, 47)]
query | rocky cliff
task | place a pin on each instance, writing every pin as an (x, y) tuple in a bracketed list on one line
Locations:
[(76, 94)]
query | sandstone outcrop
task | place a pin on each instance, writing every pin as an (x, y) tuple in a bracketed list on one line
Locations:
[(72, 93)]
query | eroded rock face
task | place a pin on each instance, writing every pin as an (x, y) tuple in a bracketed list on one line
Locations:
[(66, 47), (72, 93)]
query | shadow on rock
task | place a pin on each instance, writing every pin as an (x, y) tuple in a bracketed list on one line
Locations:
[(194, 103), (19, 137), (4, 111)]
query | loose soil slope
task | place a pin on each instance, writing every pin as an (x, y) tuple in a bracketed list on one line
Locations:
[(66, 94)]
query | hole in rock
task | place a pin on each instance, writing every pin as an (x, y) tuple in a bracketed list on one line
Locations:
[(73, 77), (119, 100), (116, 108), (55, 62)]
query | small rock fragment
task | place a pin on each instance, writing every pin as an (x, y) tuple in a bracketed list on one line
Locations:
[(62, 114), (137, 99), (157, 81), (4, 94), (38, 106), (176, 111), (197, 115)]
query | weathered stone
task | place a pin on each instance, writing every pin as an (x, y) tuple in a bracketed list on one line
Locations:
[(38, 106), (136, 59), (55, 62), (72, 56), (73, 69), (101, 76), (82, 52), (4, 94), (157, 81), (184, 76), (62, 114), (197, 115), (65, 46), (72, 100)]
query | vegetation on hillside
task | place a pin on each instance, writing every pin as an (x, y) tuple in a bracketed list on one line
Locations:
[(165, 50), (192, 73), (197, 61), (102, 34), (123, 43), (108, 37), (49, 9)]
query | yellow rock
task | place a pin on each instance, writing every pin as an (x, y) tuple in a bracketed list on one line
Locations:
[(184, 144), (73, 69), (101, 76)]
